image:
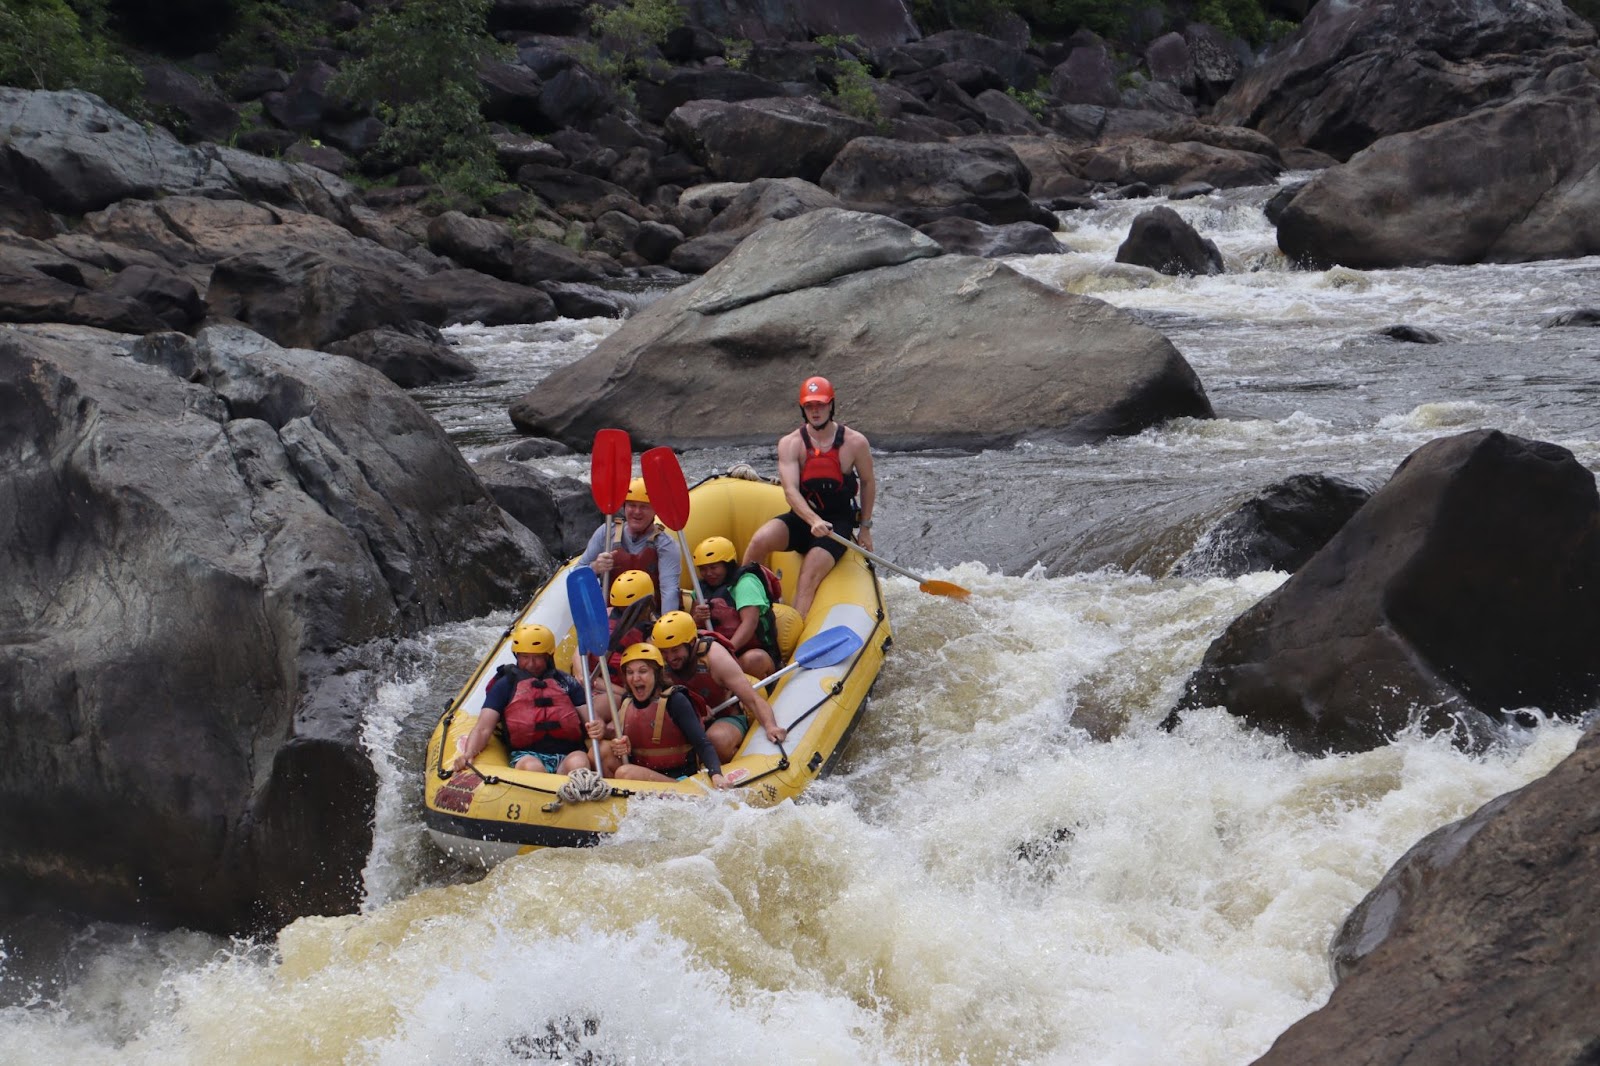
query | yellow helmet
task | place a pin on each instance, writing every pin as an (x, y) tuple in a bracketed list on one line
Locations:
[(714, 550), (533, 638), (674, 628), (631, 585), (636, 493), (649, 652)]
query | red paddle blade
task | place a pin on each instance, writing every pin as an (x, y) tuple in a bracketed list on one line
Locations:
[(669, 493), (610, 468)]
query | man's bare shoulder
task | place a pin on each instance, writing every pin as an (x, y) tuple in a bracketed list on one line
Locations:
[(790, 442)]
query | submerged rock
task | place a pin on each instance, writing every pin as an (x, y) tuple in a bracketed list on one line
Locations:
[(925, 349), (1279, 528)]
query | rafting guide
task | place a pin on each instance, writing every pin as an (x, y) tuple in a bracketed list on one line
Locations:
[(825, 469)]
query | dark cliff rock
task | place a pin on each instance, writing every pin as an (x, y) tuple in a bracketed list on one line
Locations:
[(203, 533)]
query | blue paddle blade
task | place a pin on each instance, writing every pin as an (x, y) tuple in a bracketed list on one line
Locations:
[(588, 610), (828, 647)]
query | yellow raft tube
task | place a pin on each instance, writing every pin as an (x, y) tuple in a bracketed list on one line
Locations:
[(488, 811)]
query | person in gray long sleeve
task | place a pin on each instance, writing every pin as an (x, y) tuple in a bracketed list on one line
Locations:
[(638, 542)]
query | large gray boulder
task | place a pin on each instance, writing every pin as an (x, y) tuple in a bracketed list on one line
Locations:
[(1467, 586), (982, 175), (926, 349), (1363, 69), (77, 154), (1159, 162), (779, 137), (1478, 946), (1508, 184), (206, 536), (756, 204)]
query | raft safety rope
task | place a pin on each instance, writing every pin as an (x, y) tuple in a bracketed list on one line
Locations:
[(583, 786)]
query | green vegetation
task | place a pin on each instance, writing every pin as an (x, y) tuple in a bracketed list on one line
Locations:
[(418, 66), (54, 44), (736, 50), (265, 31), (627, 40), (853, 83), (1036, 99), (1242, 18)]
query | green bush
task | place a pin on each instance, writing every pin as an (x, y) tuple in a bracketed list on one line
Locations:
[(737, 50), (853, 84), (264, 31), (1036, 99), (1242, 18), (419, 69), (52, 44), (627, 39)]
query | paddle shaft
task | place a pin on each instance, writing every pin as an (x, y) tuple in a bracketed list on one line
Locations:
[(588, 709), (880, 560), (769, 679), (688, 561)]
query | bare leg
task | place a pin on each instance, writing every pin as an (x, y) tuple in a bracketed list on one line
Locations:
[(773, 536), (813, 569), (633, 772), (757, 663), (726, 736), (578, 760)]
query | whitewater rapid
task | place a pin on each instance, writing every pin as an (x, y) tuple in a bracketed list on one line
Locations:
[(1012, 864)]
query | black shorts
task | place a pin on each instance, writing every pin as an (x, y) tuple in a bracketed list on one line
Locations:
[(801, 540)]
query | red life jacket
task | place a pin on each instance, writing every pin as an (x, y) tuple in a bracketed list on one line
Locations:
[(824, 484), (541, 716), (704, 691), (646, 559), (656, 741)]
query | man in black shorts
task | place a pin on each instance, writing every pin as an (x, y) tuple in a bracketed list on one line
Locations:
[(826, 472)]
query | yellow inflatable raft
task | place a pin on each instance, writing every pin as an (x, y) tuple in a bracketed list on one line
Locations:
[(488, 811)]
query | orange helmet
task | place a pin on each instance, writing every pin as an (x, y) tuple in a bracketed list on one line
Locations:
[(814, 390)]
